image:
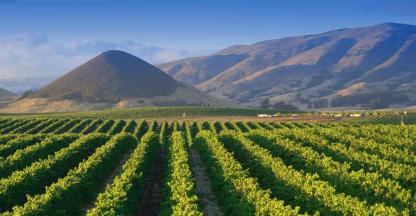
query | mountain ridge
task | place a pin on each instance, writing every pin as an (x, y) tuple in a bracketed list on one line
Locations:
[(309, 70)]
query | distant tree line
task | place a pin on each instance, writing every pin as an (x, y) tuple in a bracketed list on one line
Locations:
[(265, 104)]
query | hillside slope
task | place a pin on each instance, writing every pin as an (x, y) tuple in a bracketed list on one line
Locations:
[(4, 93), (6, 97), (369, 66), (110, 77)]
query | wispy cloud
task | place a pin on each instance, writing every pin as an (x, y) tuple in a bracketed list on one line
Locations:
[(34, 55)]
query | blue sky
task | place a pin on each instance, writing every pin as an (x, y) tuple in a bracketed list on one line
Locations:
[(194, 24), (49, 37)]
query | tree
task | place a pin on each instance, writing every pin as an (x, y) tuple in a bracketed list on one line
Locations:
[(27, 93), (265, 103), (284, 106)]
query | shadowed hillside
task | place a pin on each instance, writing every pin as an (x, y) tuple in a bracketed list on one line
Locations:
[(370, 66), (110, 77), (4, 93)]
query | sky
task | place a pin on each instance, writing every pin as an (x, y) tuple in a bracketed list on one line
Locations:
[(46, 38)]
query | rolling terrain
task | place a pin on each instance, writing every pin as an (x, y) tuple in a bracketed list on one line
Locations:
[(371, 66)]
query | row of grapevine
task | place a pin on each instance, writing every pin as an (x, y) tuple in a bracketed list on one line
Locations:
[(368, 186), (13, 123), (117, 127), (40, 126), (80, 126), (243, 126), (59, 126), (17, 143), (384, 150), (2, 121), (232, 126), (8, 123), (14, 126), (254, 125), (315, 194), (180, 198), (92, 127), (66, 127), (106, 126), (121, 197), (220, 126), (359, 160), (394, 135), (52, 127), (264, 125), (25, 156), (142, 128), (238, 193), (189, 136), (80, 184), (6, 138), (129, 128), (32, 179), (25, 127), (209, 126)]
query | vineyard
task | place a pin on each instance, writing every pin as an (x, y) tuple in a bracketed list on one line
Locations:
[(86, 166), (152, 112)]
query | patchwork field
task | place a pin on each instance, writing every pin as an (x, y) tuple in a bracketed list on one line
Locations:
[(86, 166)]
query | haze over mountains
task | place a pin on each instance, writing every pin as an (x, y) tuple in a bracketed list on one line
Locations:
[(112, 79), (368, 67)]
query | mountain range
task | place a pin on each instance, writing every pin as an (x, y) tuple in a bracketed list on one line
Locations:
[(371, 66), (368, 67)]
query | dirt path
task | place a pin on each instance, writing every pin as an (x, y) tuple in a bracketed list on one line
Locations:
[(110, 178), (152, 197), (203, 188)]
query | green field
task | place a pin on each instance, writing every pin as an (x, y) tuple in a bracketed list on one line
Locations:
[(220, 114), (386, 119), (153, 112), (97, 166)]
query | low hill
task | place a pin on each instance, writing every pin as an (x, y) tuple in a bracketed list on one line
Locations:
[(372, 66), (6, 97), (4, 93), (112, 79)]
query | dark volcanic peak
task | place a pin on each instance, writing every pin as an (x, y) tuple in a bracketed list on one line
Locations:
[(110, 77)]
